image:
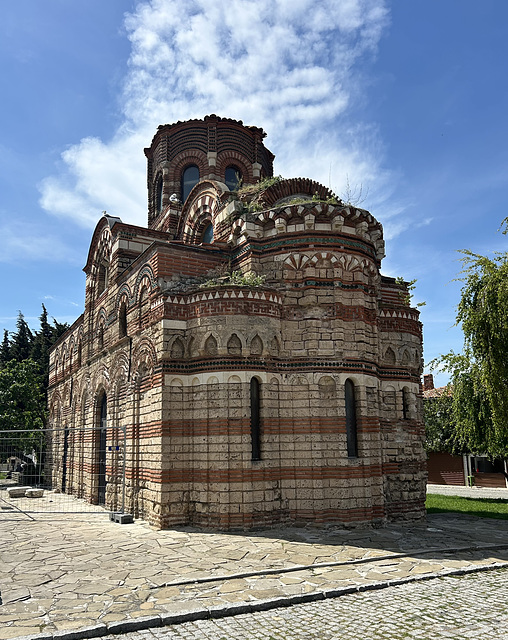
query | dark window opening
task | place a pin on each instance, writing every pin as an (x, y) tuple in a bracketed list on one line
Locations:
[(158, 195), (405, 403), (190, 178), (208, 234), (255, 418), (233, 178), (351, 425), (122, 320), (101, 337), (102, 279)]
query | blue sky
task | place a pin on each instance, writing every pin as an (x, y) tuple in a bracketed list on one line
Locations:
[(405, 100)]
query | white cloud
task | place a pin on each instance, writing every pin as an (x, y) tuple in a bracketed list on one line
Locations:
[(292, 67)]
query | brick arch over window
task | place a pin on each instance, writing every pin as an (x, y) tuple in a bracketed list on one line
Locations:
[(200, 212), (99, 260), (287, 188), (144, 355), (145, 278), (185, 159), (232, 158)]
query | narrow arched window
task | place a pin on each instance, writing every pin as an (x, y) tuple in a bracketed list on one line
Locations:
[(100, 336), (255, 418), (208, 234), (190, 178), (102, 277), (122, 320), (351, 425), (158, 195), (233, 177), (144, 308)]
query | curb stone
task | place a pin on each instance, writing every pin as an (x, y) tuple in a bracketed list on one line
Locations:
[(150, 622)]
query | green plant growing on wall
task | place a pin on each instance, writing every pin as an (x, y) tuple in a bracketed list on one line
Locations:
[(236, 278), (406, 296)]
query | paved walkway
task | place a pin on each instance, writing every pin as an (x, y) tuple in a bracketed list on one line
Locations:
[(473, 607), (62, 573)]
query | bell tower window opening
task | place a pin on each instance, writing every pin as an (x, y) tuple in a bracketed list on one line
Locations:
[(208, 234), (233, 178), (158, 195), (190, 178)]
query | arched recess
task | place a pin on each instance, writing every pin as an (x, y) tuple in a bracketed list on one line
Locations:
[(144, 356), (177, 349), (234, 346), (390, 356), (211, 346), (256, 346)]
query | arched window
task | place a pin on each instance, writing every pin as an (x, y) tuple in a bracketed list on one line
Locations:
[(100, 336), (102, 278), (122, 320), (233, 177), (255, 418), (351, 425), (190, 178), (144, 308), (208, 234), (158, 195)]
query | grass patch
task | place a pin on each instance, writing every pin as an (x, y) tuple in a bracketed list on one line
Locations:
[(483, 508)]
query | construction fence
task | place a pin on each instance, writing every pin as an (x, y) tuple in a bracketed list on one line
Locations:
[(68, 470)]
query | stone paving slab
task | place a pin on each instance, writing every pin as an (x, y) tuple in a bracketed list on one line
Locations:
[(59, 575)]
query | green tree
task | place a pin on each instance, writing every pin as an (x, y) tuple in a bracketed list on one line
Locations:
[(479, 375), (5, 349), (21, 343), (22, 405), (440, 427)]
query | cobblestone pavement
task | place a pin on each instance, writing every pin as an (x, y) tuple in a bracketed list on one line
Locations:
[(64, 573), (473, 606)]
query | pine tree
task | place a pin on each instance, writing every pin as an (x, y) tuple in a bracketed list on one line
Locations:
[(42, 343), (5, 349), (21, 343)]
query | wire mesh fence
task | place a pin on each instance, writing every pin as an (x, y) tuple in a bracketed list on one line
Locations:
[(62, 471)]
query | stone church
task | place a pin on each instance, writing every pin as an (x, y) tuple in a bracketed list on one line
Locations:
[(260, 367)]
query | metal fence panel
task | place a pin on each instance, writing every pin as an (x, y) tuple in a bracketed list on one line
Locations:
[(63, 471)]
